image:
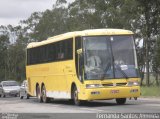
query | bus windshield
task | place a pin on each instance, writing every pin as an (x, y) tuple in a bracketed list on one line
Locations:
[(109, 57)]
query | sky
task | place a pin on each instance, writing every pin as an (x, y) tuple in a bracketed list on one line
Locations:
[(12, 11)]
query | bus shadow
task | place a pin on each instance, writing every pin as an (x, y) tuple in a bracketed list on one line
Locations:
[(9, 97), (99, 103), (88, 103)]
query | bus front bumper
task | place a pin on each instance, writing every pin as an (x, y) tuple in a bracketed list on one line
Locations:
[(110, 93)]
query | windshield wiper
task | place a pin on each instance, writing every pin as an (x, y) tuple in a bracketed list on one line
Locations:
[(105, 70), (123, 73)]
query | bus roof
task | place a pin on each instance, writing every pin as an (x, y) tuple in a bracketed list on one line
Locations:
[(90, 32)]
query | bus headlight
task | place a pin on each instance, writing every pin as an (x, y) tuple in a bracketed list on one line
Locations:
[(133, 83), (93, 85)]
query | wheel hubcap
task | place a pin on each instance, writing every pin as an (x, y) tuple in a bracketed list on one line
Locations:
[(38, 93), (75, 96), (44, 94)]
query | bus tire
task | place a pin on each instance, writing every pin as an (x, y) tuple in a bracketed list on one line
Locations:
[(27, 97), (121, 101), (45, 99), (3, 95), (21, 97), (38, 94), (75, 96)]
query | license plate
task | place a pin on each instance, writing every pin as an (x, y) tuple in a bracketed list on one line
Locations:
[(114, 91)]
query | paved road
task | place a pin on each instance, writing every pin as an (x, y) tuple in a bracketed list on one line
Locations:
[(16, 105)]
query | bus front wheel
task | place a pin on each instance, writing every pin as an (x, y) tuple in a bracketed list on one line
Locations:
[(121, 101), (45, 99), (75, 97), (27, 96)]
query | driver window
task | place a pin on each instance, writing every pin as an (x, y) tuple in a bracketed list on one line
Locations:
[(98, 63), (93, 60)]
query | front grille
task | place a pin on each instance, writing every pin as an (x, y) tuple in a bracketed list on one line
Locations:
[(110, 84), (121, 84), (115, 84)]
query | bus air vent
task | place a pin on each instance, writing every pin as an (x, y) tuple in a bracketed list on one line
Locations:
[(121, 84), (109, 84)]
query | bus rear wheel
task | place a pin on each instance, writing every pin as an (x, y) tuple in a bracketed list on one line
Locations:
[(75, 97), (45, 99), (3, 95), (121, 101), (21, 97), (38, 94)]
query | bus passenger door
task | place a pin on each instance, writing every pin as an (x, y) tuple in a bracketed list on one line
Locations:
[(80, 73), (80, 65), (68, 76)]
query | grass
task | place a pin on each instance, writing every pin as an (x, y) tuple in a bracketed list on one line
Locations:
[(152, 91)]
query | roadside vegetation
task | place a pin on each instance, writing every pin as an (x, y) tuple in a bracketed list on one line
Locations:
[(152, 91)]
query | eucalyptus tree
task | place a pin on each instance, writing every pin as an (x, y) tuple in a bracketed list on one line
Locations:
[(149, 15), (4, 42)]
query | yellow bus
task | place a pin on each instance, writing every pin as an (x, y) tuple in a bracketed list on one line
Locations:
[(95, 64)]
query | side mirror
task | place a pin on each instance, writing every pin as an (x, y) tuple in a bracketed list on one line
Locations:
[(79, 51)]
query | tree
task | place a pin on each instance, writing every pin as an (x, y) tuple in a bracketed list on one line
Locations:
[(140, 16), (149, 17), (12, 53), (156, 61), (28, 27), (4, 41)]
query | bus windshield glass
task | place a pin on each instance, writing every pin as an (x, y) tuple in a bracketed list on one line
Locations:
[(109, 57)]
